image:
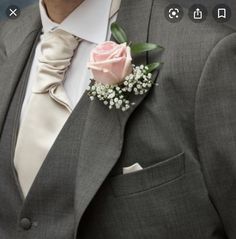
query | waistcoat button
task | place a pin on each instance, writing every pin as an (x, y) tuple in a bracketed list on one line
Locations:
[(25, 223)]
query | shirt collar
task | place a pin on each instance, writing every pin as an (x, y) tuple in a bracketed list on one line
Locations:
[(88, 21)]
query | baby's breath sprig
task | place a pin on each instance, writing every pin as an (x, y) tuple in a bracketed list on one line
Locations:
[(116, 96)]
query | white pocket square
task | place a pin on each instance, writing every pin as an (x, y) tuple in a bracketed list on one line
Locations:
[(133, 168)]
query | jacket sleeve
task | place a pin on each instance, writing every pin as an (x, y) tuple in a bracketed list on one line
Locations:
[(215, 125)]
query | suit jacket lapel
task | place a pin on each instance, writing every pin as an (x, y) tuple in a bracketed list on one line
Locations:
[(15, 49), (103, 134), (102, 137)]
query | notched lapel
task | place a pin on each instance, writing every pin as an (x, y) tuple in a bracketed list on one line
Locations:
[(102, 140), (17, 41), (11, 71)]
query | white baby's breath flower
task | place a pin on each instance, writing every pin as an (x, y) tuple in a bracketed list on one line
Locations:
[(116, 96), (112, 95)]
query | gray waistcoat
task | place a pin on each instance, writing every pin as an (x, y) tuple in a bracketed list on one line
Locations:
[(48, 210)]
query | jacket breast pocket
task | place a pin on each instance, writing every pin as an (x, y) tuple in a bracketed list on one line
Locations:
[(150, 177)]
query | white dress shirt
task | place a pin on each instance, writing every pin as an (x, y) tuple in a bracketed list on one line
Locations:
[(91, 22)]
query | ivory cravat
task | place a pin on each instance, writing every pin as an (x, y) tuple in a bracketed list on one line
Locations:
[(48, 109)]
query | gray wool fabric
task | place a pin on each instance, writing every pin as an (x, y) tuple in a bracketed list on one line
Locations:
[(183, 133), (49, 204)]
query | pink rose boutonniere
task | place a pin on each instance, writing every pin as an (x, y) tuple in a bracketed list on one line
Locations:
[(114, 75), (111, 63)]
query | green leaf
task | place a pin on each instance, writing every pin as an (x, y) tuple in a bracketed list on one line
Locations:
[(137, 48), (154, 66), (118, 33)]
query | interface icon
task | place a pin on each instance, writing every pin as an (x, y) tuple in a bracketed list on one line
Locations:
[(174, 13), (221, 13), (13, 12), (198, 13)]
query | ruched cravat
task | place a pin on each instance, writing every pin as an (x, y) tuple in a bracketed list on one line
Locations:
[(48, 109)]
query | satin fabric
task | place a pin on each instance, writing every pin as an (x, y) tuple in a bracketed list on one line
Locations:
[(49, 107)]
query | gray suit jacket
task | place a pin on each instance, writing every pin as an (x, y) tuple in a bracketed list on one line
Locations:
[(183, 132)]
